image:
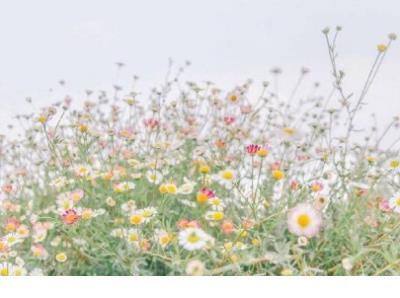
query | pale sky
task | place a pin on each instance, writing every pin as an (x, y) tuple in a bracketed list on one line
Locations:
[(227, 41)]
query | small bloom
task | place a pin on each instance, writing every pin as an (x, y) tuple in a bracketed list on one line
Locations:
[(252, 149), (227, 227), (381, 47), (193, 239), (394, 203), (278, 175), (70, 217), (195, 268), (61, 257), (304, 220), (214, 215)]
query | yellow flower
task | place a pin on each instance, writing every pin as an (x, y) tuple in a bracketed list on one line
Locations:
[(202, 198), (83, 128), (228, 246), (286, 272), (278, 175), (255, 242), (288, 130), (42, 119), (163, 188), (262, 152), (215, 215), (61, 257), (228, 175), (171, 188), (4, 271), (394, 164), (204, 169), (136, 219), (381, 47), (87, 214)]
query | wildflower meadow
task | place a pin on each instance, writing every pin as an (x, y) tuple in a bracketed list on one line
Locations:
[(195, 180)]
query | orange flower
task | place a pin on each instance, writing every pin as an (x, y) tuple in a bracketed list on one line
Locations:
[(227, 227)]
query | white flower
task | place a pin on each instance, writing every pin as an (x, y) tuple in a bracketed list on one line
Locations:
[(12, 239), (195, 268), (226, 178), (154, 177), (187, 187), (18, 270), (123, 187), (148, 213), (394, 203), (118, 233), (36, 272), (304, 220), (193, 238), (132, 237), (163, 238), (64, 202), (216, 204)]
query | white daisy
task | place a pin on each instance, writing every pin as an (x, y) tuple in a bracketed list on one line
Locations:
[(304, 220), (193, 239), (394, 203)]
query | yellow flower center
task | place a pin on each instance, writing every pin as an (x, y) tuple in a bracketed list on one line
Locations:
[(398, 201), (262, 152), (147, 213), (394, 164), (216, 201), (218, 215), (136, 219), (193, 238), (11, 239), (227, 175), (171, 188), (204, 169), (133, 237), (87, 214), (304, 220), (66, 205), (233, 98), (76, 197), (4, 271), (278, 174), (289, 131), (18, 272), (61, 257), (10, 227), (381, 47), (165, 239), (316, 187)]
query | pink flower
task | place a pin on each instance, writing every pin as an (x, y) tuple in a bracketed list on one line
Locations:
[(208, 192), (229, 120), (384, 205), (151, 123), (252, 149), (245, 109)]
